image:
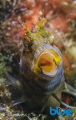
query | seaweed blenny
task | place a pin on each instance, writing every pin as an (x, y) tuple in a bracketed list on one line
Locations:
[(41, 79)]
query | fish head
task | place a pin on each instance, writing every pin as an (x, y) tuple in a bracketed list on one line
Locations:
[(46, 56), (46, 60)]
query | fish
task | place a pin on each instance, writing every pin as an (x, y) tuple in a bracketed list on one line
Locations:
[(42, 78)]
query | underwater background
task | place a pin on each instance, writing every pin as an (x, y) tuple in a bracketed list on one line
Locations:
[(60, 20)]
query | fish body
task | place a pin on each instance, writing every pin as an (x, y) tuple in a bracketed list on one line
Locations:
[(42, 74), (41, 84)]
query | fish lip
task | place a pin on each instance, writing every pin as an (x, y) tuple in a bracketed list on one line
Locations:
[(51, 73), (45, 47), (52, 76)]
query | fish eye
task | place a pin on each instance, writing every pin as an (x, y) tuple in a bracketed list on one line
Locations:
[(48, 61), (27, 43)]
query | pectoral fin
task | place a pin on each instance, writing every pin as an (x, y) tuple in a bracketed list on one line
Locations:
[(18, 101), (68, 106), (16, 89), (69, 89), (14, 82)]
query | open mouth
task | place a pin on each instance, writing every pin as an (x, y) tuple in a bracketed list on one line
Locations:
[(48, 61)]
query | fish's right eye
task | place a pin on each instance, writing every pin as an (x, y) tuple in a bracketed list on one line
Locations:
[(27, 43)]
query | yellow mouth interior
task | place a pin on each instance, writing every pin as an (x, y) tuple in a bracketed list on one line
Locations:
[(48, 60)]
